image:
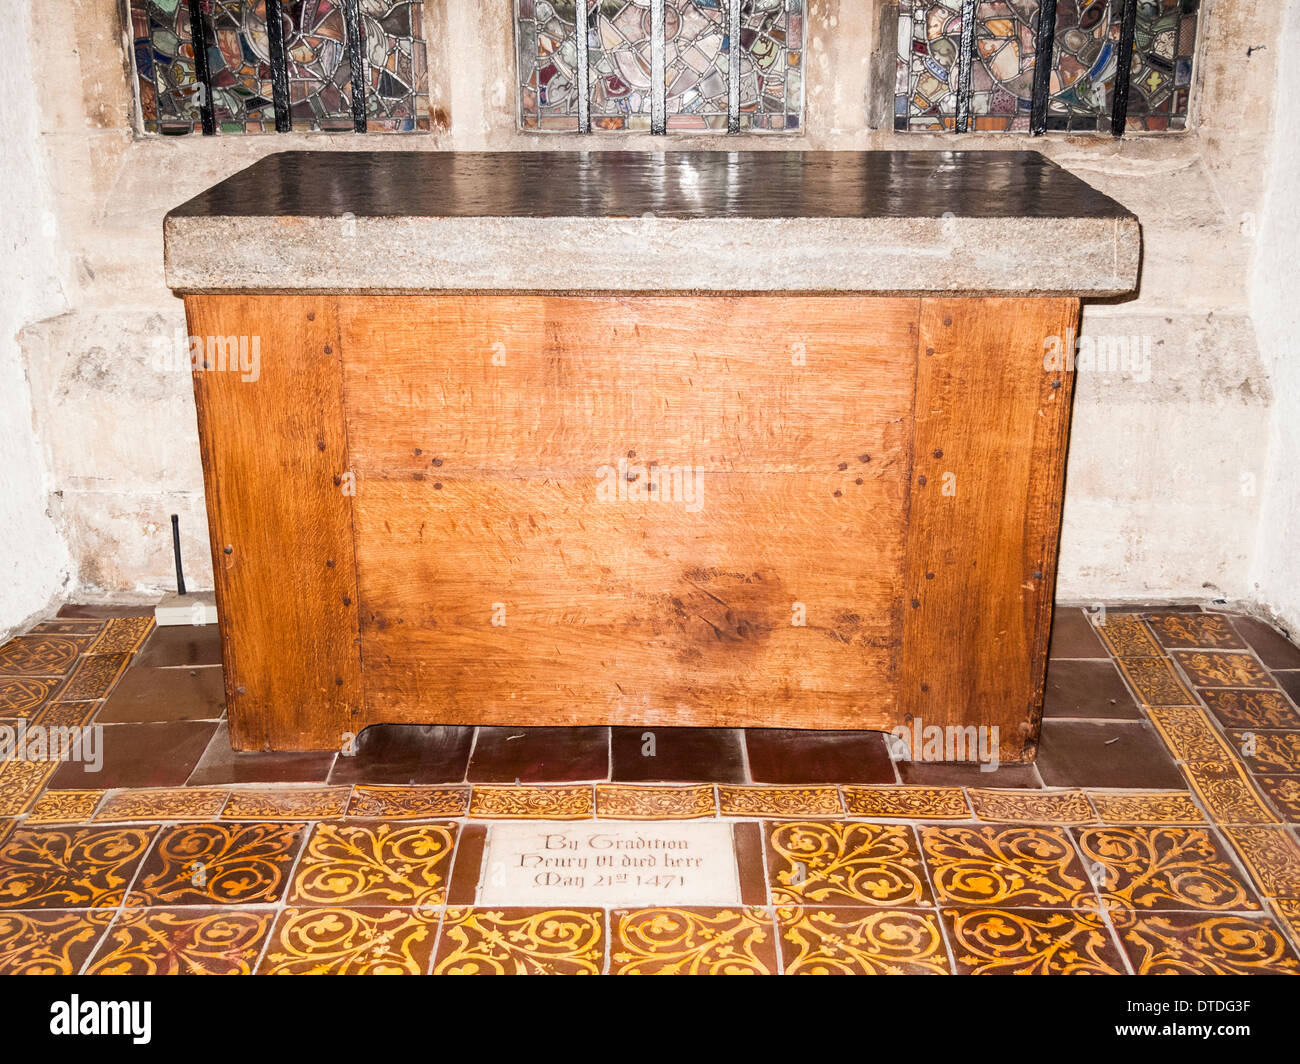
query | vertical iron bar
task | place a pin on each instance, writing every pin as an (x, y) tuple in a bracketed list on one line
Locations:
[(733, 66), (279, 66), (1044, 44), (658, 91), (176, 550), (1123, 68), (965, 62), (584, 74), (356, 31), (202, 73)]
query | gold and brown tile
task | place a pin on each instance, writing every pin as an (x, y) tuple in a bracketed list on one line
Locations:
[(1227, 792), (1189, 734), (1284, 793), (1033, 807), (21, 782), (1010, 941), (49, 942), (844, 863), (1277, 753), (164, 803), (65, 868), (183, 942), (69, 626), (218, 864), (46, 654), (622, 801), (64, 807), (780, 801), (23, 696), (93, 678), (1203, 631), (694, 941), (1005, 866), (122, 635), (1207, 668), (1258, 709), (532, 802), (407, 803), (1173, 943), (367, 864), (1155, 682), (66, 714), (350, 942), (1287, 913), (907, 803), (1146, 807), (831, 941), (286, 803), (1271, 856), (1127, 636), (7, 825), (521, 942)]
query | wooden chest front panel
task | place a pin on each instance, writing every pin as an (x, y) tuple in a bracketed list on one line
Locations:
[(518, 563)]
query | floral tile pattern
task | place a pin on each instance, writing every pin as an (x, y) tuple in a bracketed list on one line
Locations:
[(692, 942), (1126, 636), (64, 807), (780, 801), (218, 864), (1019, 866), (1139, 807), (183, 942), (845, 864), (626, 802), (1030, 807), (122, 635), (1271, 855), (1206, 669), (21, 782), (1031, 942), (407, 803), (350, 942), (41, 655), (1155, 682), (56, 942), (300, 803), (1224, 788), (369, 864), (1209, 631), (521, 942), (922, 803), (81, 868), (167, 803), (819, 941), (1194, 944), (93, 677), (532, 803)]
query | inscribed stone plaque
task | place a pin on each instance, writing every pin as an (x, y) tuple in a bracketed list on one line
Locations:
[(648, 863)]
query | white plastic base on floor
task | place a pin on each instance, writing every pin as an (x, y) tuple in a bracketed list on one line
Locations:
[(199, 607)]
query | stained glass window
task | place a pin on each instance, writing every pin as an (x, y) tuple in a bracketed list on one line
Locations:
[(1086, 86), (314, 54), (626, 41)]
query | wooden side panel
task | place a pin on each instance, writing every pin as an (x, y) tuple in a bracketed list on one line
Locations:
[(281, 527), (989, 445)]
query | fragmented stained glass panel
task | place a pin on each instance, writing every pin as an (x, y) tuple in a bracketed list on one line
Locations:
[(1084, 64), (316, 60), (697, 50)]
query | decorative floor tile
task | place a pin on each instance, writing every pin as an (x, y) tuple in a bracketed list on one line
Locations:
[(532, 803), (1169, 807), (168, 803), (1031, 942), (182, 942), (21, 782), (49, 943), (1284, 793), (1227, 792), (375, 864), (623, 801), (1208, 669), (122, 635), (692, 942), (1272, 857), (70, 626), (7, 824), (1155, 682), (780, 801), (1018, 866), (1287, 911), (1252, 709), (41, 655), (407, 803), (1126, 636), (82, 868), (66, 714), (1193, 944), (1148, 868), (64, 807), (1188, 733), (1273, 752), (521, 942), (1033, 807), (218, 864), (1204, 630), (350, 942), (920, 803), (22, 696), (299, 803), (93, 677), (845, 864), (816, 941)]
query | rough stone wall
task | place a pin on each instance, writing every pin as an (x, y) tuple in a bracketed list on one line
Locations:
[(1166, 470)]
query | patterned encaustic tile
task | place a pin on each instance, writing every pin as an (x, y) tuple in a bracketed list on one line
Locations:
[(51, 942), (93, 677), (1033, 807), (1188, 733), (1272, 752), (407, 803), (1215, 669), (625, 801), (7, 825), (846, 864), (20, 783), (70, 626), (62, 868), (1287, 911), (1146, 807), (1166, 943), (164, 803), (64, 807), (1284, 793), (1020, 867), (350, 942), (907, 803), (122, 635), (1032, 942), (1252, 709), (22, 696), (1205, 631), (41, 655), (780, 801), (1271, 855), (533, 803), (818, 941), (367, 864), (66, 714), (183, 942), (1154, 682), (1127, 636), (515, 941), (1226, 790), (695, 941), (217, 864), (297, 803), (1167, 867)]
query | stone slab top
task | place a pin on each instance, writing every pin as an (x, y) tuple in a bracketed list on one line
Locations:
[(981, 222)]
